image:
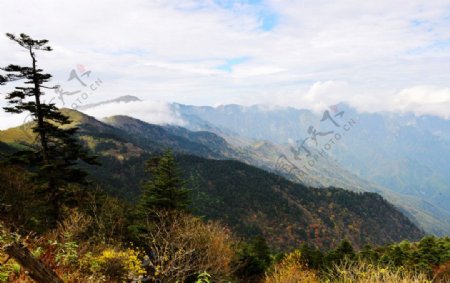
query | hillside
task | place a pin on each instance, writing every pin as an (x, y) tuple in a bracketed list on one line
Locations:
[(252, 201), (326, 171), (393, 166), (402, 156)]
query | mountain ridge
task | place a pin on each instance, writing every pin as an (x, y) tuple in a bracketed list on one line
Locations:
[(250, 200)]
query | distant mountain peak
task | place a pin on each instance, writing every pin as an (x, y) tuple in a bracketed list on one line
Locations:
[(120, 99), (128, 98)]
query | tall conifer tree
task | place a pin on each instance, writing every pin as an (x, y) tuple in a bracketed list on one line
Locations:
[(52, 160), (165, 189)]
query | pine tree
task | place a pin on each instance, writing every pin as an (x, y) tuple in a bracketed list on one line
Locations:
[(52, 161), (254, 258), (345, 250), (165, 189)]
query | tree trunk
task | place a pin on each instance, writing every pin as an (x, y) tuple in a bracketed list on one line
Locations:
[(37, 270)]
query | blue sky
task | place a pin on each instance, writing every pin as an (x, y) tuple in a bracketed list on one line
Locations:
[(267, 17), (374, 55), (230, 63)]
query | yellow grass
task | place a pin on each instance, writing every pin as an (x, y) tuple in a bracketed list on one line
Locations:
[(361, 272)]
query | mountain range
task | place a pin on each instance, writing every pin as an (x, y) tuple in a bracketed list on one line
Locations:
[(252, 201), (401, 156)]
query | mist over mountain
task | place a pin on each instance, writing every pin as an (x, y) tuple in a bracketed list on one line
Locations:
[(379, 152), (403, 156), (403, 153)]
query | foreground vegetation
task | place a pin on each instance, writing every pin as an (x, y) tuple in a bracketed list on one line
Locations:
[(102, 239)]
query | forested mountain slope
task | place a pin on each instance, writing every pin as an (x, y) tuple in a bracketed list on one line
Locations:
[(250, 200)]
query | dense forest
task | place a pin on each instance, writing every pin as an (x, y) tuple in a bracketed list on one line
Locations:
[(253, 202), (104, 238)]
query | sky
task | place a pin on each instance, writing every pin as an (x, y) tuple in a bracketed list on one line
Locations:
[(374, 55)]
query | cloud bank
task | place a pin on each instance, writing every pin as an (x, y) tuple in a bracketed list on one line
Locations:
[(147, 111), (377, 55)]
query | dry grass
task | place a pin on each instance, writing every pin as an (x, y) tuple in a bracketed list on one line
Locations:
[(361, 272)]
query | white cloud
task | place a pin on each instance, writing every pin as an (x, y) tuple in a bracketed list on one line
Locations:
[(255, 71), (423, 100), (319, 51), (148, 111), (420, 99)]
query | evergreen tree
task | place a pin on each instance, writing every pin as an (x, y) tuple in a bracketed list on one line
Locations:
[(254, 258), (52, 160), (165, 189), (429, 250), (312, 256), (397, 256), (367, 253), (344, 251)]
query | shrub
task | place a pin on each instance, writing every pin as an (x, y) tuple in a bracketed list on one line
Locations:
[(118, 265), (291, 270), (74, 226), (181, 246), (67, 253)]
